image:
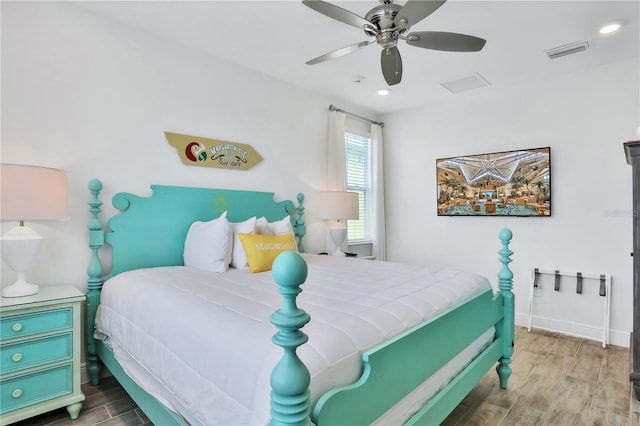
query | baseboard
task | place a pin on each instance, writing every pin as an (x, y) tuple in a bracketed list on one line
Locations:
[(616, 338)]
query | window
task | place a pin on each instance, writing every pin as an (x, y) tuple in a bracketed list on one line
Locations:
[(358, 180)]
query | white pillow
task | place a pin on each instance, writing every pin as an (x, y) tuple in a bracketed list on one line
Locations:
[(262, 226), (278, 227), (239, 257), (281, 227), (208, 245)]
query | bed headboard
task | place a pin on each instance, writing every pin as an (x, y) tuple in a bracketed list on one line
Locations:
[(150, 231)]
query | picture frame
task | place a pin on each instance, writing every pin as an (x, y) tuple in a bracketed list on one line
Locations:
[(508, 183)]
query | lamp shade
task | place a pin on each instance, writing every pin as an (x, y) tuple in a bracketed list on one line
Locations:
[(32, 193), (338, 205)]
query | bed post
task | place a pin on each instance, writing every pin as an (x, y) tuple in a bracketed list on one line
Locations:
[(300, 228), (94, 283), (506, 327), (290, 400)]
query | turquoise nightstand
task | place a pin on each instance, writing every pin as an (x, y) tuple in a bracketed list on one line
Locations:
[(40, 353)]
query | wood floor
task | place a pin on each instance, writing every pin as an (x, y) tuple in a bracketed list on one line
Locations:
[(556, 380)]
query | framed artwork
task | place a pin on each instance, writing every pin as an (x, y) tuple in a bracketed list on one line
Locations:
[(510, 183)]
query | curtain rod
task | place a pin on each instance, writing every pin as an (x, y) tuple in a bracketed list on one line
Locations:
[(379, 123)]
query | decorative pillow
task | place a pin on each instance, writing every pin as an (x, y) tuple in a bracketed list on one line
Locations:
[(262, 250), (208, 245), (238, 257)]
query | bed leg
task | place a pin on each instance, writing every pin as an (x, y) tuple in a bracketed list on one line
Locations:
[(290, 397), (504, 371), (94, 282), (94, 367), (506, 327)]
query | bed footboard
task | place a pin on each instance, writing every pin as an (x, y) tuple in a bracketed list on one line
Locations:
[(395, 368)]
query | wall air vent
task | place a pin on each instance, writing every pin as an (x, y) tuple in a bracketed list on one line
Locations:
[(567, 49)]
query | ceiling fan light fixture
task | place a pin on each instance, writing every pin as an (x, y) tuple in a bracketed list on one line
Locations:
[(384, 91)]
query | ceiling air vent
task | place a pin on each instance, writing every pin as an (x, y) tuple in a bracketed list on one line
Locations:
[(474, 81), (567, 49)]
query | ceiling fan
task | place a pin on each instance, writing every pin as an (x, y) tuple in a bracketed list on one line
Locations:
[(388, 23)]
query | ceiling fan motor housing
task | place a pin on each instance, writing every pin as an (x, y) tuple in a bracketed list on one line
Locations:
[(381, 18)]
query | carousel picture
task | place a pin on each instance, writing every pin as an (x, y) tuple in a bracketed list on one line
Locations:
[(511, 183)]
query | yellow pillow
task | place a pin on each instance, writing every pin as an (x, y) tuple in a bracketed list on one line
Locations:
[(262, 250)]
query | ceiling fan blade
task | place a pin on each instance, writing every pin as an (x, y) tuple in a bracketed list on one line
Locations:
[(415, 11), (337, 13), (450, 42), (391, 65), (340, 52)]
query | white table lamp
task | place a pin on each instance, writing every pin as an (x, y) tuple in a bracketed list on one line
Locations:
[(28, 193), (338, 206)]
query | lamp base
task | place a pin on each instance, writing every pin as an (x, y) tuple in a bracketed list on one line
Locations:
[(19, 249), (338, 233), (20, 288)]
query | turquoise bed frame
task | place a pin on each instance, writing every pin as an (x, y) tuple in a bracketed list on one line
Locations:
[(150, 231)]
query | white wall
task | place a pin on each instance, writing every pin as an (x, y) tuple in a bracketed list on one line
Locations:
[(584, 117), (94, 98)]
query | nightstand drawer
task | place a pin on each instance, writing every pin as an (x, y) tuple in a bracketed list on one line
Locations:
[(36, 387), (39, 322), (33, 353)]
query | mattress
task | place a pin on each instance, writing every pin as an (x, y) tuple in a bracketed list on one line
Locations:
[(200, 342)]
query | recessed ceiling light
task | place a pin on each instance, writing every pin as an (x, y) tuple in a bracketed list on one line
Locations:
[(610, 28), (384, 92)]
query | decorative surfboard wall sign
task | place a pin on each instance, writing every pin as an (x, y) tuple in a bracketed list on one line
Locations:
[(198, 151)]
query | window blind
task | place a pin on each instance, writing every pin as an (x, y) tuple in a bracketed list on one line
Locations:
[(358, 179)]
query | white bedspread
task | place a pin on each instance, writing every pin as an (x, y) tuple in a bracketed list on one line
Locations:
[(201, 341)]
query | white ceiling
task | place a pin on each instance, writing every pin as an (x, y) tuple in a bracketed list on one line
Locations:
[(278, 37)]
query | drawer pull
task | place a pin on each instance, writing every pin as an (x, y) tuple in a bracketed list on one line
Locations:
[(16, 327), (16, 393), (16, 357)]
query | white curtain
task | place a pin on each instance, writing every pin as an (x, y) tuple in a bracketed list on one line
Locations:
[(336, 164), (378, 232), (336, 161)]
